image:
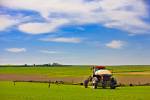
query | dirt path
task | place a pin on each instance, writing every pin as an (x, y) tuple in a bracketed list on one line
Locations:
[(120, 79), (12, 77), (134, 73), (133, 80)]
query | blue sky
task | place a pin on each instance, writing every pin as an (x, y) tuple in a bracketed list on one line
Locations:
[(103, 32)]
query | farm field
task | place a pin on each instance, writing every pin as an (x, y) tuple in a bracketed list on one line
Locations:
[(74, 71), (124, 74), (40, 91)]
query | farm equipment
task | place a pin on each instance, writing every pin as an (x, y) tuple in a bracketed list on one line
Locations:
[(101, 78)]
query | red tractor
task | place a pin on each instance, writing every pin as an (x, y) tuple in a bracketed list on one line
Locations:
[(101, 77)]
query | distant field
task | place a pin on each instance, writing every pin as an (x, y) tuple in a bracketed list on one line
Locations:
[(48, 71), (124, 74), (40, 91), (72, 71)]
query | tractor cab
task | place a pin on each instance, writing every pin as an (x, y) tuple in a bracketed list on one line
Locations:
[(97, 68), (100, 67)]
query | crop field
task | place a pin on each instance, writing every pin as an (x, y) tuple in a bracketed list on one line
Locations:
[(49, 71), (40, 91), (74, 71), (124, 74)]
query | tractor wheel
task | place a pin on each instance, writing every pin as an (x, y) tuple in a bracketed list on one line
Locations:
[(104, 85), (86, 83), (112, 87), (95, 85), (113, 83), (85, 86), (94, 82)]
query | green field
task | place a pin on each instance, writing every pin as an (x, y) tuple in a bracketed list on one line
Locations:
[(40, 91), (49, 71), (71, 71)]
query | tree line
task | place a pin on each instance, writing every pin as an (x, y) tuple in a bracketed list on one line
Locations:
[(37, 65)]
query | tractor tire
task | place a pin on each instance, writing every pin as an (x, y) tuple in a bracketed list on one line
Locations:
[(113, 84), (104, 85), (85, 86), (86, 83), (113, 87), (95, 85), (95, 82)]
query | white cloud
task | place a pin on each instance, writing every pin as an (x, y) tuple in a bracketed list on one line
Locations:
[(115, 44), (6, 22), (38, 28), (62, 39), (49, 52), (124, 15), (16, 50)]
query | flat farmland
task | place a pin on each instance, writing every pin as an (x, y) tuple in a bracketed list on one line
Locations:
[(40, 91), (124, 74)]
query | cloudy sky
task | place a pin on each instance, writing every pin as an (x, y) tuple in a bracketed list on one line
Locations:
[(104, 32)]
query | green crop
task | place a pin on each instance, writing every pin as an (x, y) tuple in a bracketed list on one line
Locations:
[(40, 91)]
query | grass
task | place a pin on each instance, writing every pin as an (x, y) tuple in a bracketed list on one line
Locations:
[(129, 68), (70, 71), (40, 91), (49, 71)]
